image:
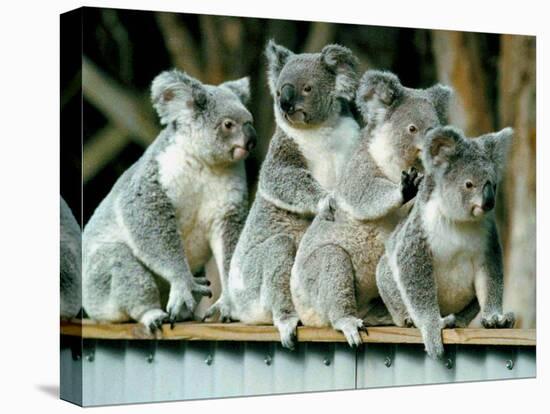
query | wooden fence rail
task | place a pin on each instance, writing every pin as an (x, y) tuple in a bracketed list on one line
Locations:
[(192, 331)]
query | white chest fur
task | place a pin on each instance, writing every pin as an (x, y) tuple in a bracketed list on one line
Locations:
[(382, 152), (326, 149), (457, 250), (199, 195)]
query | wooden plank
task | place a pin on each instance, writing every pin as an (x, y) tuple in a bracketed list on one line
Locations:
[(192, 331)]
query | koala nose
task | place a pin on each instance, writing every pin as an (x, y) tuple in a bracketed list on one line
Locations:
[(286, 100), (488, 200), (249, 136)]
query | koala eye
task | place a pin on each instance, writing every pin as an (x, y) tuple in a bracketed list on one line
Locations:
[(469, 184), (307, 89), (278, 94), (412, 129), (228, 125)]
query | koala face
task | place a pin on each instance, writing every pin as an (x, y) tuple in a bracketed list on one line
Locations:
[(307, 87), (466, 171), (398, 116), (217, 126)]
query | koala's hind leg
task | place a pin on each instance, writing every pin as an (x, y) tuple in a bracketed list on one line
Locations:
[(278, 257), (134, 289), (378, 314), (390, 294), (468, 314), (332, 265)]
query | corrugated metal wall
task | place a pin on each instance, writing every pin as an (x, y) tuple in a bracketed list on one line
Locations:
[(115, 372)]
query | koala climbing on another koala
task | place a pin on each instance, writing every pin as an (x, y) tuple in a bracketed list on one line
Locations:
[(333, 279), (70, 258), (182, 201), (314, 138), (447, 252)]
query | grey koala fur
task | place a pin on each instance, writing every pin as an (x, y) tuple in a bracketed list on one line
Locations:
[(447, 253), (70, 258), (314, 136), (183, 201), (334, 276)]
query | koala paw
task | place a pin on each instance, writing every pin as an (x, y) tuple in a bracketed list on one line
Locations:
[(152, 320), (499, 320), (410, 181), (449, 321), (326, 208), (434, 349), (221, 307), (181, 293), (408, 322), (351, 327), (431, 335), (201, 280), (287, 330)]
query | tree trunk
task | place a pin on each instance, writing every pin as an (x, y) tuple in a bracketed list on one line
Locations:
[(458, 64), (517, 109)]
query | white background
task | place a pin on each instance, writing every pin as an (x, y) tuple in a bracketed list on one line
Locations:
[(29, 177)]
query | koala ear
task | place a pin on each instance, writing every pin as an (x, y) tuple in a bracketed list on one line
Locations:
[(377, 92), (240, 87), (497, 146), (440, 95), (341, 61), (441, 144), (173, 92), (277, 56)]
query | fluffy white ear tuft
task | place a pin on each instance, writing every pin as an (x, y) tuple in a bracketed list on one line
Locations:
[(240, 87), (173, 92), (277, 56), (341, 60), (441, 145), (377, 91), (441, 97), (498, 145)]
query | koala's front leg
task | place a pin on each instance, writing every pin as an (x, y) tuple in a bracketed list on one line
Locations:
[(388, 196), (390, 294), (489, 284), (431, 334), (148, 217), (410, 182), (412, 269), (286, 181), (223, 240)]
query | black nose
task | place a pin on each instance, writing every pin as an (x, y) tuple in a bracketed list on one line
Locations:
[(286, 100), (488, 200), (250, 136)]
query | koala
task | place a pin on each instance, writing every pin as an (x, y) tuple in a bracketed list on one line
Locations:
[(315, 134), (333, 281), (183, 201), (70, 258), (447, 252)]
